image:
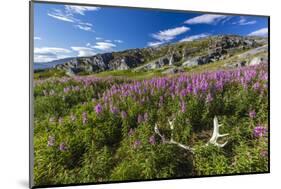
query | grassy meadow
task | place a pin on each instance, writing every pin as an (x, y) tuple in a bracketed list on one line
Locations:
[(101, 127)]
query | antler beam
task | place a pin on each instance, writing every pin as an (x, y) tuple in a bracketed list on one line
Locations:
[(171, 141)]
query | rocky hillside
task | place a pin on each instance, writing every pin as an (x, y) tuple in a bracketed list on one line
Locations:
[(177, 55)]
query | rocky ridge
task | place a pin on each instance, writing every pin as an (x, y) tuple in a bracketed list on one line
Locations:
[(178, 55)]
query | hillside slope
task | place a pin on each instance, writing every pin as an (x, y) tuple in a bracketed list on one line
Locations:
[(175, 56)]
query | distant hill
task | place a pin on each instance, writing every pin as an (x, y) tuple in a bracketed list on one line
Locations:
[(45, 65)]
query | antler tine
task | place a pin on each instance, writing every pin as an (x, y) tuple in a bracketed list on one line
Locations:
[(216, 134), (222, 135), (157, 130), (171, 123), (222, 145), (158, 133)]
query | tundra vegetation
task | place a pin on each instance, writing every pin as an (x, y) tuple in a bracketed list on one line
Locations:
[(149, 123)]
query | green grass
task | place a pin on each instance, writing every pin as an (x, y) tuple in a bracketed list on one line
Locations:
[(138, 75), (44, 74)]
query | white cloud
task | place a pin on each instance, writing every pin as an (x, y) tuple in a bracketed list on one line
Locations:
[(206, 19), (194, 37), (260, 32), (155, 44), (243, 21), (47, 54), (169, 34), (67, 15), (249, 23), (37, 38), (51, 49), (226, 19), (118, 41), (85, 23), (85, 28), (104, 45), (84, 51), (74, 9), (63, 16)]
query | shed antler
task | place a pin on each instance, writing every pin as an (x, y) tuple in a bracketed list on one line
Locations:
[(216, 134), (171, 141), (212, 141)]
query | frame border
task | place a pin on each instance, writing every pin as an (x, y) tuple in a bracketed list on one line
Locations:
[(31, 96), (31, 100)]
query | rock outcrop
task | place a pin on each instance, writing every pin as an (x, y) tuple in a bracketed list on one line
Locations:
[(254, 56), (102, 62)]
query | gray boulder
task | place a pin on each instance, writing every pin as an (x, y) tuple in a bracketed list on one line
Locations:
[(191, 62)]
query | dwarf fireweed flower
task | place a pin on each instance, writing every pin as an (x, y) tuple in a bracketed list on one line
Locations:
[(161, 99), (131, 132), (114, 110), (256, 86), (189, 88), (76, 88), (195, 91), (140, 118), (51, 141), (84, 118), (137, 144), (264, 153), (264, 77), (209, 98), (62, 147), (243, 83), (123, 114), (204, 85), (252, 114), (183, 107), (152, 140), (260, 131), (219, 85), (66, 89), (145, 116), (183, 93), (98, 108)]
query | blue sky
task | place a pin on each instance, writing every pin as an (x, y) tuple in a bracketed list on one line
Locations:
[(62, 31)]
